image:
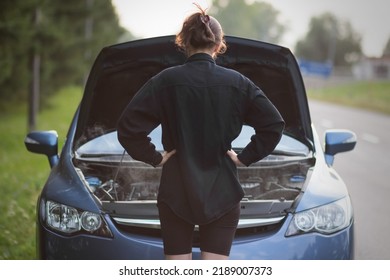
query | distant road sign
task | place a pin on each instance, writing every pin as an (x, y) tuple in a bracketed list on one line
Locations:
[(315, 68)]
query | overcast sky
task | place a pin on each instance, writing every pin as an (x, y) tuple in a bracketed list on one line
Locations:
[(370, 18)]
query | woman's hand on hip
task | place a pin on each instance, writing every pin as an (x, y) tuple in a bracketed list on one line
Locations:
[(166, 155), (233, 155)]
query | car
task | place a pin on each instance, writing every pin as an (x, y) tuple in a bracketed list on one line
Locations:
[(99, 203)]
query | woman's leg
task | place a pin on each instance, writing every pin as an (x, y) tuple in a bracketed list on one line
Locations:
[(179, 257), (177, 234), (217, 237), (212, 256)]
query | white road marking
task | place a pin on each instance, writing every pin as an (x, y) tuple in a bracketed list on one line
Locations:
[(370, 138), (326, 123)]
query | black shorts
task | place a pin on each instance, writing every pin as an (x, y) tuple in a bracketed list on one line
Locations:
[(215, 237)]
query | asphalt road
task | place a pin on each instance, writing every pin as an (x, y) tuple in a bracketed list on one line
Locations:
[(366, 171)]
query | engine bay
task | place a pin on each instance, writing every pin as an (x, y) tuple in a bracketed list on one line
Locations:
[(136, 181)]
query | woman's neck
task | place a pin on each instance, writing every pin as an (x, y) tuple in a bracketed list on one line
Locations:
[(208, 51)]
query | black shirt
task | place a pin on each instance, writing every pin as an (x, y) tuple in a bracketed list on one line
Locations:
[(201, 108)]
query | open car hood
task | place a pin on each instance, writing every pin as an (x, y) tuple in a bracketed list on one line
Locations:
[(120, 70)]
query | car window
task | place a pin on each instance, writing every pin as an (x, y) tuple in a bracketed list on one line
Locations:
[(108, 144)]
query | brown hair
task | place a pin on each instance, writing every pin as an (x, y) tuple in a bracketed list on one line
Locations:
[(201, 31)]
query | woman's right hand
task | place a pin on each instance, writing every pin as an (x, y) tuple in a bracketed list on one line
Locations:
[(166, 155)]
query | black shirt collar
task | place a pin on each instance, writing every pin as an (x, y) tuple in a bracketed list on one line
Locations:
[(201, 56)]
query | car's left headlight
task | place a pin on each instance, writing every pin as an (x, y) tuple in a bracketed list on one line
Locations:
[(69, 220), (325, 219)]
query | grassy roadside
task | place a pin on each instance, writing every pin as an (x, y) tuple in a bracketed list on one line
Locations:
[(22, 174), (373, 96)]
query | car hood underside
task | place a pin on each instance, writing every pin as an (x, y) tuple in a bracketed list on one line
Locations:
[(120, 70)]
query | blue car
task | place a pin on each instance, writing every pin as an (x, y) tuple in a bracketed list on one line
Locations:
[(99, 203)]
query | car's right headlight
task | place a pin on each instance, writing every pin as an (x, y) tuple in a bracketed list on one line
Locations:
[(69, 220), (325, 219)]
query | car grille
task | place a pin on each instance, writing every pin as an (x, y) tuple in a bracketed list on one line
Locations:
[(246, 227)]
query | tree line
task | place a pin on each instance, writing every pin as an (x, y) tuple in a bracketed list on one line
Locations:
[(47, 44), (329, 39)]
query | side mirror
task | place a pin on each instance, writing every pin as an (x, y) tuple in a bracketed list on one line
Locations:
[(43, 142), (338, 141)]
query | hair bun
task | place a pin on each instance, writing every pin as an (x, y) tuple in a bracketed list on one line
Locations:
[(205, 18)]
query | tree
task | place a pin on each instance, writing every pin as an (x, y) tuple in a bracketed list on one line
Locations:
[(256, 20), (330, 40), (386, 50), (16, 18), (79, 29), (45, 45)]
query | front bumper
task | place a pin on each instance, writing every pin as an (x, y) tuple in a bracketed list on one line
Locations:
[(127, 246)]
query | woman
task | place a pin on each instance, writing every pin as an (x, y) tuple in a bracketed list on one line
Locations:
[(201, 108)]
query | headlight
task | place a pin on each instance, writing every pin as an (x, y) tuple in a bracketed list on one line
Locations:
[(325, 219), (90, 221), (69, 220), (62, 217)]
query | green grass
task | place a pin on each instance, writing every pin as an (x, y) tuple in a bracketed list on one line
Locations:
[(23, 174), (373, 96)]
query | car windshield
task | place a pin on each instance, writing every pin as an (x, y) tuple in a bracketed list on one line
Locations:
[(108, 144)]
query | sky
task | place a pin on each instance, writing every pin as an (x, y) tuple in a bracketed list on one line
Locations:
[(370, 18)]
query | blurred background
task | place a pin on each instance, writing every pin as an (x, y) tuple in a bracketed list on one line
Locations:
[(48, 47)]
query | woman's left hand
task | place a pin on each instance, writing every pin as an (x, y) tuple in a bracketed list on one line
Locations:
[(233, 155)]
